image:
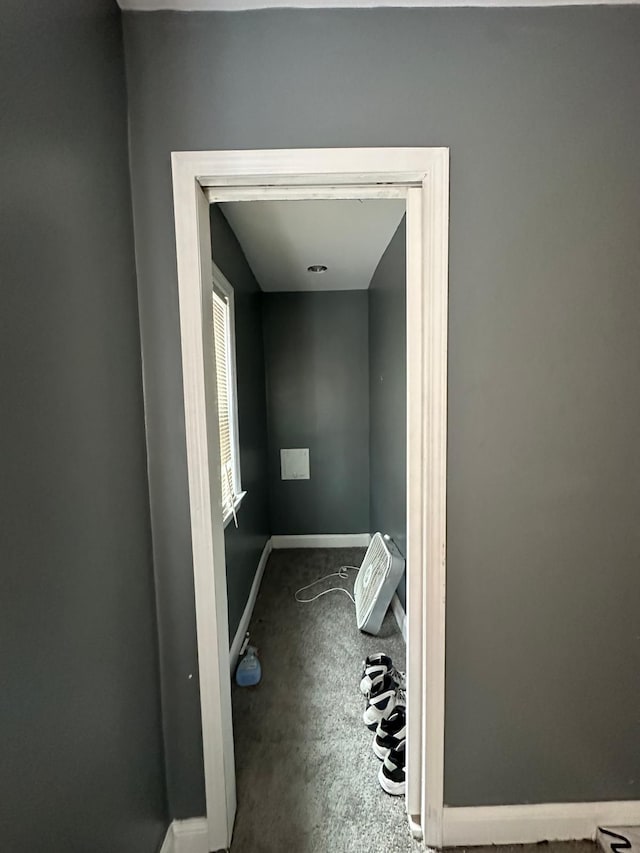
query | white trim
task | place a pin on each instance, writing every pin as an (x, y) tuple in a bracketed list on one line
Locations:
[(423, 173), (416, 500), (322, 540), (190, 836), (308, 167), (291, 193), (400, 615), (241, 5), (168, 845), (430, 425), (226, 518), (415, 827), (243, 627), (186, 836), (529, 824), (193, 249)]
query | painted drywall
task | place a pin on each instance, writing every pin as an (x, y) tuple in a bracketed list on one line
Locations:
[(316, 359), (388, 395), (82, 756), (539, 109), (244, 544)]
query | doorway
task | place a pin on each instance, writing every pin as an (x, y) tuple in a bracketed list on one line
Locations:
[(319, 289), (420, 176)]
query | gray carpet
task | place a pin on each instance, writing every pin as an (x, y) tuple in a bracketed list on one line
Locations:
[(542, 847), (306, 774)]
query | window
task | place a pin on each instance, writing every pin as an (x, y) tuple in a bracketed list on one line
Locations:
[(226, 380)]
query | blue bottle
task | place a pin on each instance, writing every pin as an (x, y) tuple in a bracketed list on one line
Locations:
[(249, 671)]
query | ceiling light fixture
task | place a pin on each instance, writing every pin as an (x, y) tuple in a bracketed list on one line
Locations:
[(318, 268)]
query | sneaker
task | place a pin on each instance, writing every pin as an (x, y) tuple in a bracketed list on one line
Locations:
[(390, 732), (385, 695), (375, 666), (392, 771)]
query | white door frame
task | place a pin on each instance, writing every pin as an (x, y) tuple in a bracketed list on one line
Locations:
[(421, 175)]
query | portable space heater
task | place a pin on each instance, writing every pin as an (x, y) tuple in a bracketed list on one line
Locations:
[(376, 583)]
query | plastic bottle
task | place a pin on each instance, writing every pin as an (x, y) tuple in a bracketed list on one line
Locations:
[(249, 671)]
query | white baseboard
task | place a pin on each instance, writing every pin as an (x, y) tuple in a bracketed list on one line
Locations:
[(167, 845), (401, 616), (326, 540), (330, 540), (190, 836), (186, 836), (532, 823), (475, 825), (234, 651)]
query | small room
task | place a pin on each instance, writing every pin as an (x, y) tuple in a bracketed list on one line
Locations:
[(103, 747), (310, 336)]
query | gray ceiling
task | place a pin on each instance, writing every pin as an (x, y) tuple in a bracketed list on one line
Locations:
[(282, 238)]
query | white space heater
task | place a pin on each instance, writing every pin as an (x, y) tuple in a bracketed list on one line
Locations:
[(376, 583)]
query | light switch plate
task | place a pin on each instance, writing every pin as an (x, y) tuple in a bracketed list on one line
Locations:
[(294, 463)]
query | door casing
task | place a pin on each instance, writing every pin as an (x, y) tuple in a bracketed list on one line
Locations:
[(421, 176)]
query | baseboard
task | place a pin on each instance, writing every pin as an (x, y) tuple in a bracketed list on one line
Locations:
[(323, 540), (234, 651), (475, 825), (401, 616), (330, 540), (167, 845), (189, 836), (533, 823)]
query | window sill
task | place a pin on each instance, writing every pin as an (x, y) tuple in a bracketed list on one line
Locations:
[(236, 506)]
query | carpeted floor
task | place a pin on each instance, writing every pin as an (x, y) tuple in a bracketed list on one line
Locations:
[(306, 774), (546, 846)]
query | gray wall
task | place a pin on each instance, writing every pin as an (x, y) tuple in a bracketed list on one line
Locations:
[(540, 110), (244, 544), (316, 357), (388, 395), (82, 765)]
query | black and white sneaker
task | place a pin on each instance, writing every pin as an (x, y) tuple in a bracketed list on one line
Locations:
[(376, 665), (385, 695), (392, 771), (372, 667), (390, 732)]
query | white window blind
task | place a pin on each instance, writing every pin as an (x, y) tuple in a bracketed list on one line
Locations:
[(225, 379)]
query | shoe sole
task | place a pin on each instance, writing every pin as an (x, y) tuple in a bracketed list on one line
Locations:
[(395, 789), (371, 726), (379, 752), (372, 722)]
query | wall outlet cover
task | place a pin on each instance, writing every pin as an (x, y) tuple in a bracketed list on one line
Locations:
[(294, 464)]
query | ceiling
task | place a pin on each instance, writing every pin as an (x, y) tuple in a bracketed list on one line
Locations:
[(282, 238), (238, 5)]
